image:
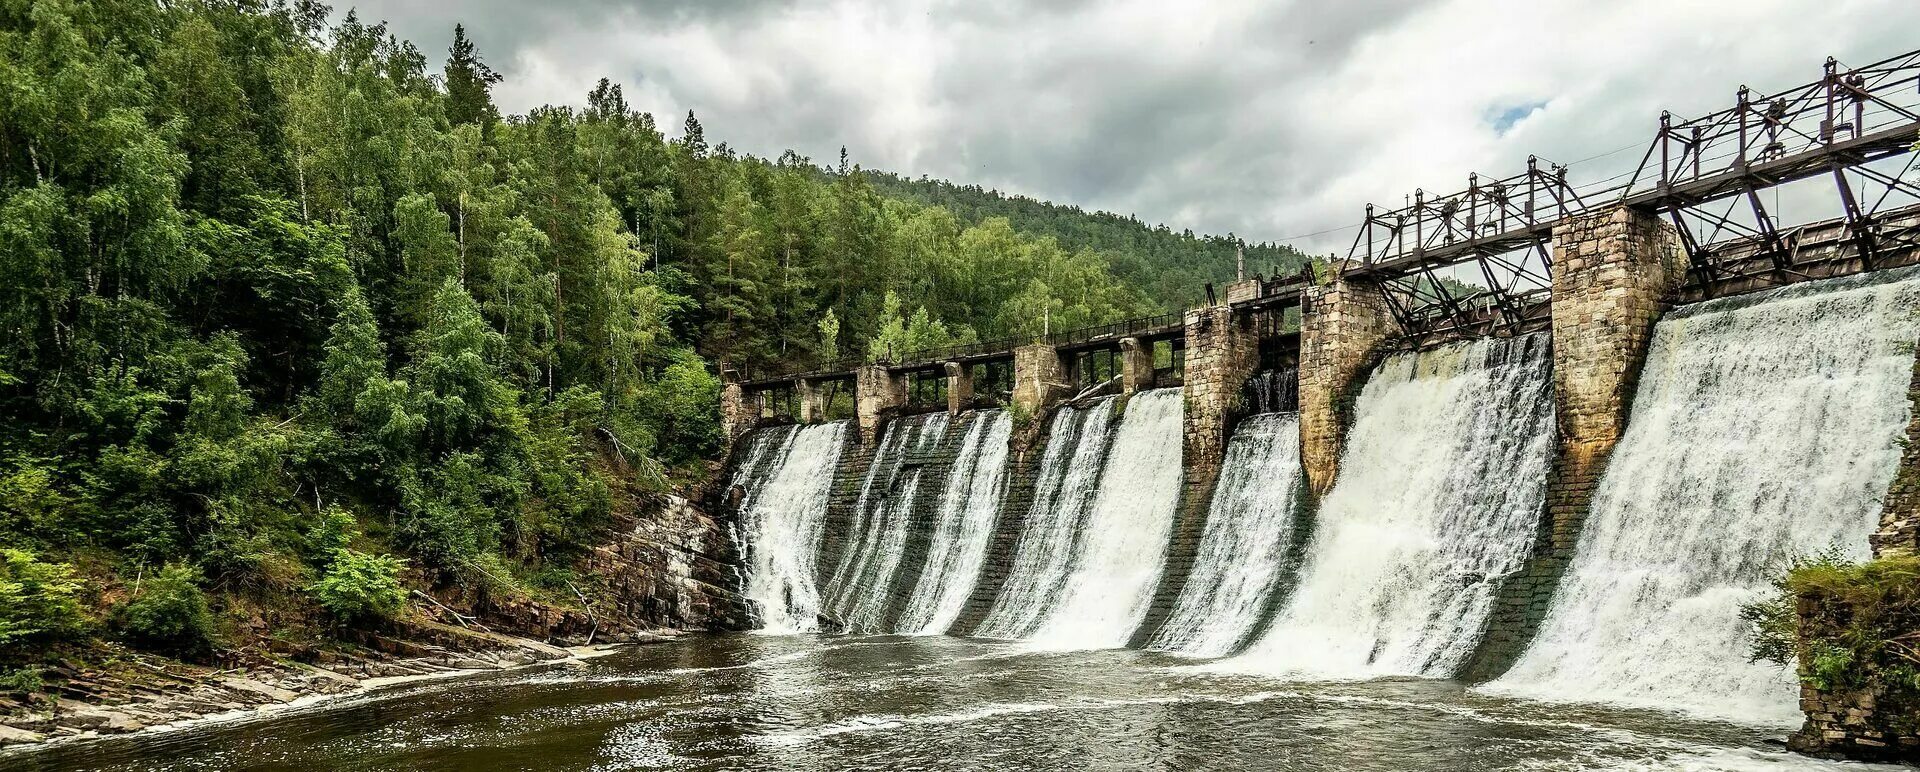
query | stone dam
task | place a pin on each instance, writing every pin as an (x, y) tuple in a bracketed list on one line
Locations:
[(1571, 508)]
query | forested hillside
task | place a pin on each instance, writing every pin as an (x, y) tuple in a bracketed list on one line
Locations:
[(289, 306), (1171, 267)]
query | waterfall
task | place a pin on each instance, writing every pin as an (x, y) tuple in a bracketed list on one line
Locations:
[(1274, 390), (1244, 548), (1069, 471), (1764, 427), (861, 587), (1123, 541), (965, 526), (785, 484), (1438, 497)]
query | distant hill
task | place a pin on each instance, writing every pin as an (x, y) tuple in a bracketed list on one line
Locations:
[(1170, 267)]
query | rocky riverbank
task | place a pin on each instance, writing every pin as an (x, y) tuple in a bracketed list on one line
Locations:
[(130, 692), (666, 567)]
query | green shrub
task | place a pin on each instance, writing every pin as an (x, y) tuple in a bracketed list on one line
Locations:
[(169, 614), (360, 587), (1848, 625), (1828, 667), (25, 680), (332, 532), (38, 603)]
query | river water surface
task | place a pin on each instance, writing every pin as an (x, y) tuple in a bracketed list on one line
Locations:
[(761, 702)]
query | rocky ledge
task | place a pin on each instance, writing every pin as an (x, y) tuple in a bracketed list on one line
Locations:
[(139, 691)]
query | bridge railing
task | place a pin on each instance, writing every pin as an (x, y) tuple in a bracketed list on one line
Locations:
[(1841, 125)]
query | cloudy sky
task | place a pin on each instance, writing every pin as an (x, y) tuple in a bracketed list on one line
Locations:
[(1268, 119)]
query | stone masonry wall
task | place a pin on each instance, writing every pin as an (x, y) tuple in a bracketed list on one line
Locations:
[(1342, 327), (813, 407), (1880, 718), (843, 496), (877, 395), (1136, 365), (1871, 712), (959, 387), (737, 415), (923, 521), (1039, 383), (1899, 532), (1223, 349), (1615, 273)]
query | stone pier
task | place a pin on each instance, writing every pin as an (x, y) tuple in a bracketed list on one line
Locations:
[(959, 387), (1223, 349), (1039, 383), (813, 408), (877, 394), (738, 414), (1342, 326), (1136, 365), (1615, 273)]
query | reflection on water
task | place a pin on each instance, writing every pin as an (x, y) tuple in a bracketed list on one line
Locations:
[(810, 703)]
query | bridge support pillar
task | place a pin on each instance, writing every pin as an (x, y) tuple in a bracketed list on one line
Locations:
[(1615, 272), (1039, 383), (1039, 380), (959, 387), (877, 394), (1342, 326), (738, 412), (807, 394), (1223, 349), (1136, 365)]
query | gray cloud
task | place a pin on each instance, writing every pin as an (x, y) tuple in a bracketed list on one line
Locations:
[(1266, 119)]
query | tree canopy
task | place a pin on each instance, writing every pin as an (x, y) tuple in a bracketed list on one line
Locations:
[(258, 272)]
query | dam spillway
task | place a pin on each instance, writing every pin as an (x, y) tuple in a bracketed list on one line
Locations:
[(1250, 543), (1412, 541), (1765, 427)]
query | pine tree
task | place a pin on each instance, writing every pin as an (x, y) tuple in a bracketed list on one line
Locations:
[(469, 84)]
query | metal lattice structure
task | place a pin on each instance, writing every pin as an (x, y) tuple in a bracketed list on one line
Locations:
[(1705, 175), (1850, 134), (1842, 127), (1505, 227)]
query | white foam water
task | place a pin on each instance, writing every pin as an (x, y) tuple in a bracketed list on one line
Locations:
[(781, 515), (1243, 549), (1438, 496), (865, 590), (968, 509), (1123, 542), (1763, 428), (1069, 471)]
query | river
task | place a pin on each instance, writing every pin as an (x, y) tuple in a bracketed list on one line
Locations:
[(805, 702)]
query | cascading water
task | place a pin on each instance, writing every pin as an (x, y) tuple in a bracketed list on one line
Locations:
[(1244, 548), (1069, 471), (1438, 497), (1764, 428), (967, 512), (785, 487), (1275, 390), (861, 589), (1123, 541)]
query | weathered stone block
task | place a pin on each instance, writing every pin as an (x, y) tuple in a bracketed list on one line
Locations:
[(1343, 326)]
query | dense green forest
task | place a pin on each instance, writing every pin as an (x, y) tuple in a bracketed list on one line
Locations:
[(290, 309), (1172, 268)]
